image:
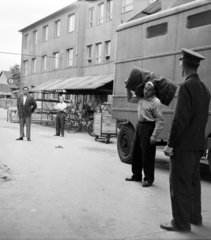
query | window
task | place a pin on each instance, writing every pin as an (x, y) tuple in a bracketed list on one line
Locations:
[(100, 13), (199, 19), (157, 30), (71, 23), (109, 9), (107, 50), (35, 37), (70, 57), (25, 68), (57, 28), (44, 63), (91, 17), (34, 65), (98, 52), (89, 55), (127, 5), (56, 60), (26, 39), (45, 34)]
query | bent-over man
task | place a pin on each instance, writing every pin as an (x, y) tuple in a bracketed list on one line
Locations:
[(150, 124)]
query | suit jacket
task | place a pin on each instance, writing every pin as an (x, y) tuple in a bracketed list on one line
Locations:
[(191, 115), (28, 108)]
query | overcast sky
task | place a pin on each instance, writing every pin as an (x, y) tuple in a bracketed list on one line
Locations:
[(17, 14)]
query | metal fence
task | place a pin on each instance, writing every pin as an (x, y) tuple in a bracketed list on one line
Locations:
[(6, 103)]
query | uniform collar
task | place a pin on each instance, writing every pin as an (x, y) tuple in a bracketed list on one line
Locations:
[(195, 75)]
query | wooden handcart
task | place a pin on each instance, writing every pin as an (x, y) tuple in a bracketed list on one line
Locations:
[(104, 127)]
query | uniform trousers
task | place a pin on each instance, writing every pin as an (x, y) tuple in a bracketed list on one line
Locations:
[(143, 156), (60, 122), (22, 121), (185, 187)]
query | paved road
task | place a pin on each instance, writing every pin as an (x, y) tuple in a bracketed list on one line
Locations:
[(79, 192)]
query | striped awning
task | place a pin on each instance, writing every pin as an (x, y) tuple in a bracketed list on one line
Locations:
[(77, 84)]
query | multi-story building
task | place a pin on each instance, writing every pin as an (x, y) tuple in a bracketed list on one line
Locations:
[(78, 40)]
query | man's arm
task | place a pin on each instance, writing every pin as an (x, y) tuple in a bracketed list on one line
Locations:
[(159, 122), (131, 98), (34, 105), (182, 116)]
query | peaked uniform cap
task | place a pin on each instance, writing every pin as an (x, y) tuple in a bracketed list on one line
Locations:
[(191, 57)]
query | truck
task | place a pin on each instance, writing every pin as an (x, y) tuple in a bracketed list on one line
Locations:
[(154, 43)]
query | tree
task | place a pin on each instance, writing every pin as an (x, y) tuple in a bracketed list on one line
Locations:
[(16, 74)]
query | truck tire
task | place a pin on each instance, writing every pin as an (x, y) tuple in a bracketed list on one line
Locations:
[(209, 158), (125, 141)]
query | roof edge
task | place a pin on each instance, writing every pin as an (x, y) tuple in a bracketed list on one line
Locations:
[(162, 14), (72, 5)]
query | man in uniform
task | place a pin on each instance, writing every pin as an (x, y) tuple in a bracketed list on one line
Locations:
[(150, 124), (26, 105), (186, 144)]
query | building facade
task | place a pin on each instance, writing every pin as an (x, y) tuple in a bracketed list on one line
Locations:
[(78, 40)]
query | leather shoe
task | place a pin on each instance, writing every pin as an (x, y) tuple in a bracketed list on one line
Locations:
[(173, 227), (28, 139), (56, 135), (146, 184), (133, 179), (20, 138)]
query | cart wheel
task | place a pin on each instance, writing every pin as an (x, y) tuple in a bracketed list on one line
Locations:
[(96, 138)]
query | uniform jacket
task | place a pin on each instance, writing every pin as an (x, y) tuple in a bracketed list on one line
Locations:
[(27, 109), (191, 115)]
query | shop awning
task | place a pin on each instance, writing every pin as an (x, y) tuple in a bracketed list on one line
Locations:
[(78, 85)]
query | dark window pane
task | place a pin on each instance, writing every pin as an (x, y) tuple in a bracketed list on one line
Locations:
[(157, 30), (199, 19)]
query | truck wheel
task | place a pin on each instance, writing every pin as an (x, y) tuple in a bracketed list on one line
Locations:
[(125, 141), (209, 159)]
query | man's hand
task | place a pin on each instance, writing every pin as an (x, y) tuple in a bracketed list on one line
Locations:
[(153, 140), (168, 151)]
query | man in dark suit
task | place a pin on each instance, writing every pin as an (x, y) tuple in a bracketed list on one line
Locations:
[(26, 105), (186, 144)]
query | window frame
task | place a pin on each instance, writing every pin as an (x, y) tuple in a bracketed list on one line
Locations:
[(44, 63), (26, 40), (69, 50), (124, 6), (56, 61), (109, 11), (165, 24), (72, 29), (34, 65), (35, 37), (25, 67), (91, 20), (57, 28), (89, 54), (45, 33), (107, 50), (98, 54), (100, 13), (191, 23)]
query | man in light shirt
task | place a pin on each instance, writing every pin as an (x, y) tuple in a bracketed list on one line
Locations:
[(150, 124), (60, 117), (26, 105)]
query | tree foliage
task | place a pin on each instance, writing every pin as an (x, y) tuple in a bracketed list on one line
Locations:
[(16, 74)]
